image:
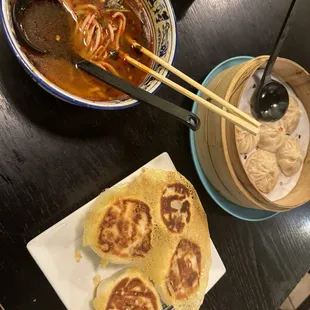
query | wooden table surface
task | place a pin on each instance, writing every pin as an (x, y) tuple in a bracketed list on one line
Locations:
[(55, 157)]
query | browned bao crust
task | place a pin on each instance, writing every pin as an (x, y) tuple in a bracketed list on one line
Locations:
[(157, 223), (119, 226), (132, 294), (127, 289), (126, 229), (175, 207), (185, 270)]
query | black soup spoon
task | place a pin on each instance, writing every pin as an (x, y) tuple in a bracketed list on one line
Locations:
[(270, 101)]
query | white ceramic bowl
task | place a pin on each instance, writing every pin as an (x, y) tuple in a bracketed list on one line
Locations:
[(163, 21)]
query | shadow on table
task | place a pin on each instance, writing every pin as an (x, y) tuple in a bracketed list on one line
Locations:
[(181, 7)]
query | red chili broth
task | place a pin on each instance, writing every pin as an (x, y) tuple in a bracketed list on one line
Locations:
[(64, 74)]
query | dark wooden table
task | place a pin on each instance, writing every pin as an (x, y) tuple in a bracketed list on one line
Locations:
[(55, 157)]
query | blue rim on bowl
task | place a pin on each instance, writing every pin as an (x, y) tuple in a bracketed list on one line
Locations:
[(239, 212), (164, 24)]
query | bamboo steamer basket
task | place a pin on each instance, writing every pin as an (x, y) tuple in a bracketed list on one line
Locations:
[(212, 153), (216, 145)]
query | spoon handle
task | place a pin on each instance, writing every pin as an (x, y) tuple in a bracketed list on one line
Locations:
[(278, 45), (191, 120)]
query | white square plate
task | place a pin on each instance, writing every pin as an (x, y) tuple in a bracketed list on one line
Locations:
[(54, 249)]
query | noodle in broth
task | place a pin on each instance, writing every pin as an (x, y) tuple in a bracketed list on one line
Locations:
[(97, 33)]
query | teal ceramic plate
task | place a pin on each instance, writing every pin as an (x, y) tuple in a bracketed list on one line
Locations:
[(247, 214)]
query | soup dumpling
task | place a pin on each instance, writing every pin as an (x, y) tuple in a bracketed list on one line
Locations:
[(272, 136), (290, 157), (263, 171), (246, 142), (292, 116)]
